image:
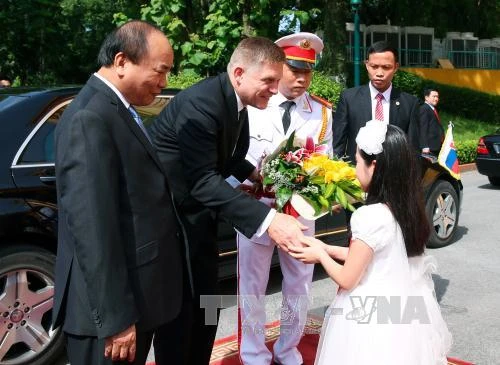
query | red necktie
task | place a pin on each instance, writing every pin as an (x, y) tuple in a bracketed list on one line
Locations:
[(379, 109), (437, 115)]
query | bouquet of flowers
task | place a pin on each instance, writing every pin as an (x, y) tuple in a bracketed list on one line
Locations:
[(303, 177)]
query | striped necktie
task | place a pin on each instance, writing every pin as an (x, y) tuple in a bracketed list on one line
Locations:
[(379, 109), (139, 122)]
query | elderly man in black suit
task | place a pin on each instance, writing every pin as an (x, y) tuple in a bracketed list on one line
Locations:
[(431, 131), (202, 138), (119, 266), (377, 100)]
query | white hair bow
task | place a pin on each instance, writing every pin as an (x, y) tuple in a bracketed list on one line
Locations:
[(371, 136)]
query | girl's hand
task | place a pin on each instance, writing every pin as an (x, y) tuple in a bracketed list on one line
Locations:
[(310, 253)]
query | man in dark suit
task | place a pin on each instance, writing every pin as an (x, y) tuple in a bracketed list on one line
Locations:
[(431, 130), (377, 100), (119, 266), (202, 138)]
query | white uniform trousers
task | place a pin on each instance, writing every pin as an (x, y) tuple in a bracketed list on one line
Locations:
[(254, 262)]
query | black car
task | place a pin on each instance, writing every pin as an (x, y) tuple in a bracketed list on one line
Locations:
[(488, 157), (28, 219)]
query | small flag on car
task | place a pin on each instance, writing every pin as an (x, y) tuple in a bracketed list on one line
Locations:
[(448, 157)]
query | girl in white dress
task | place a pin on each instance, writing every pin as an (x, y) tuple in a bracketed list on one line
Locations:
[(385, 311)]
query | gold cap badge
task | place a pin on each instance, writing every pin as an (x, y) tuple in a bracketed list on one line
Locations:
[(305, 44)]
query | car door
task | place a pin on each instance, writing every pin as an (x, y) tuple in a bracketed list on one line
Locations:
[(33, 169)]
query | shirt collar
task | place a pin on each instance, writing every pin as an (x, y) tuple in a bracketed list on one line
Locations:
[(115, 90), (374, 92), (239, 102), (280, 98), (432, 107)]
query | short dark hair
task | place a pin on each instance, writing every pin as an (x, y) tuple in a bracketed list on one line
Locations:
[(256, 50), (131, 38), (380, 47), (396, 182), (428, 90)]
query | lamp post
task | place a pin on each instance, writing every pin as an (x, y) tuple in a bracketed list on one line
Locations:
[(355, 4)]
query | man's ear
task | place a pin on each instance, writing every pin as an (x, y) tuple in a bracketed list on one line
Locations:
[(120, 63), (238, 74), (397, 66)]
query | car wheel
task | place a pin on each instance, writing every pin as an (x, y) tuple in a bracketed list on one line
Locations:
[(494, 180), (442, 213), (26, 301)]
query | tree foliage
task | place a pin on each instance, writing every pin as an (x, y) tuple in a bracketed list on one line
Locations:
[(203, 39), (56, 41)]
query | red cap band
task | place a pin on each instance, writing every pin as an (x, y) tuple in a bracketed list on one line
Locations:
[(301, 54)]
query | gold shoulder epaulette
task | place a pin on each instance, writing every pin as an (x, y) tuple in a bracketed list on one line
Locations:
[(321, 101)]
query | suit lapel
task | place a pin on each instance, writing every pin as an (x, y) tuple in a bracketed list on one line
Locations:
[(394, 107), (230, 123), (365, 104), (127, 118)]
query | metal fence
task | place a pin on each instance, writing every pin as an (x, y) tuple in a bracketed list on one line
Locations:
[(483, 59)]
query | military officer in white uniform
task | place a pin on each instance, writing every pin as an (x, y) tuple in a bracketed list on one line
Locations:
[(292, 109)]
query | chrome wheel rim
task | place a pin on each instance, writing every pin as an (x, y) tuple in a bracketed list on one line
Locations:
[(26, 301), (444, 216)]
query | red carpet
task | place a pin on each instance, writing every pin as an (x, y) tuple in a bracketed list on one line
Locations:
[(225, 350)]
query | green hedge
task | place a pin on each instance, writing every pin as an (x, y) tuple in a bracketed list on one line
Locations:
[(183, 80), (466, 151), (326, 87), (322, 85)]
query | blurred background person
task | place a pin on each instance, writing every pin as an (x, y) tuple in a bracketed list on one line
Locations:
[(431, 130), (4, 81)]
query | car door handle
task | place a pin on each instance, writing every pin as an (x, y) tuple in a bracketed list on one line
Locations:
[(49, 180)]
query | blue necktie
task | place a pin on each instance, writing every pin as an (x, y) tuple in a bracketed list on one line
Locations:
[(138, 120)]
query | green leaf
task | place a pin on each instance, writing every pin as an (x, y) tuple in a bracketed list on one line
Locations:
[(197, 58), (323, 201), (317, 180), (283, 195), (341, 197), (330, 188), (211, 44), (267, 181), (186, 47), (289, 142)]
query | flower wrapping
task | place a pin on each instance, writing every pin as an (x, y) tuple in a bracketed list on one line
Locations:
[(304, 176)]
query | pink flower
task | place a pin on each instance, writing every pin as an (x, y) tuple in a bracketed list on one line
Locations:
[(315, 148), (291, 157), (310, 144)]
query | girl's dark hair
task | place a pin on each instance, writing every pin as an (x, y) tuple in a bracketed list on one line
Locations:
[(396, 181)]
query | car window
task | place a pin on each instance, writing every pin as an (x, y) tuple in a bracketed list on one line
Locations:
[(40, 148)]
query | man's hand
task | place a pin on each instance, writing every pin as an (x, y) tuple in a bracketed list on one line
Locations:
[(286, 231), (122, 345), (255, 176), (336, 209)]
